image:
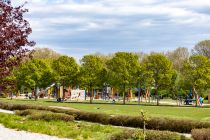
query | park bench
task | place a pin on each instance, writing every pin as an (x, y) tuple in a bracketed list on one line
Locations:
[(189, 101)]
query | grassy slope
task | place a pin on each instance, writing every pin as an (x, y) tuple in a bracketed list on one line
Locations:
[(75, 130), (166, 111)]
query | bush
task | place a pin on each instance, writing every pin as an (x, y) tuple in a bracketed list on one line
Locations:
[(51, 117), (127, 134), (150, 135), (163, 135), (182, 126), (24, 112), (129, 121), (45, 115), (200, 134)]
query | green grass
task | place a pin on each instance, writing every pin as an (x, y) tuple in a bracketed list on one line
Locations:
[(194, 113), (74, 130)]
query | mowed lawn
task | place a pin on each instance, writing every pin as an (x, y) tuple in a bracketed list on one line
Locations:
[(188, 112)]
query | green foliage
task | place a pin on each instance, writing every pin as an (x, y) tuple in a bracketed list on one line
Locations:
[(92, 67), (161, 68), (123, 68), (66, 70), (34, 73), (196, 72)]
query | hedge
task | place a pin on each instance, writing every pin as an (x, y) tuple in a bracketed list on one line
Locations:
[(200, 134), (44, 115), (150, 135)]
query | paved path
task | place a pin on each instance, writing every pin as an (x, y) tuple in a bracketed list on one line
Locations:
[(11, 134), (6, 111)]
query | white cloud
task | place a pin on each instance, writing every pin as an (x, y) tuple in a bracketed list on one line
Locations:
[(119, 22)]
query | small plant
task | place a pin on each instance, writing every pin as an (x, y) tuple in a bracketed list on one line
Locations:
[(145, 118)]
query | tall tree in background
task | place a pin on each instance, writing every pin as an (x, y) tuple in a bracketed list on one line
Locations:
[(202, 48), (45, 53), (123, 68), (178, 57), (92, 67), (196, 72), (162, 72), (65, 69), (14, 31)]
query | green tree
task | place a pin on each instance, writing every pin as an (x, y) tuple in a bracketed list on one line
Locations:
[(91, 71), (196, 72), (162, 72), (122, 70), (34, 74), (66, 70)]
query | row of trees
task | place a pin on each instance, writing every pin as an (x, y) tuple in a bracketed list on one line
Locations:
[(172, 72)]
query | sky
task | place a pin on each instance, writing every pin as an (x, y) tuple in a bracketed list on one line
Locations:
[(80, 27)]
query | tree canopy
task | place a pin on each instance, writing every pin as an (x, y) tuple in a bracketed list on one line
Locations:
[(65, 69), (123, 68), (202, 48), (161, 69)]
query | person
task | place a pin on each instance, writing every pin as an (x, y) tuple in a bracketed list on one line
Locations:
[(201, 101)]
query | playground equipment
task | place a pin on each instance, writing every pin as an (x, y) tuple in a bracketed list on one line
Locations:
[(77, 94)]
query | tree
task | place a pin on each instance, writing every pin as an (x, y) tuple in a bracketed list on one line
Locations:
[(143, 78), (14, 31), (123, 68), (178, 57), (45, 53), (34, 74), (92, 67), (161, 69), (66, 70), (196, 72), (202, 48)]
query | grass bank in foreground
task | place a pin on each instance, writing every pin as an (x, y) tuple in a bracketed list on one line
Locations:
[(81, 130), (192, 113), (73, 130)]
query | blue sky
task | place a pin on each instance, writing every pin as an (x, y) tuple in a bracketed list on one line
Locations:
[(79, 27)]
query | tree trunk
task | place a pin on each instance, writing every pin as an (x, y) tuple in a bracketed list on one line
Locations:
[(90, 92), (196, 96), (139, 93), (35, 93), (63, 92), (157, 98), (124, 94)]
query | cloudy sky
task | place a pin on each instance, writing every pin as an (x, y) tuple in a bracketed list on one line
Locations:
[(79, 27)]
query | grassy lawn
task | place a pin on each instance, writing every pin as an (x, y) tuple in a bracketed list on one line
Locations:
[(74, 130), (194, 113)]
